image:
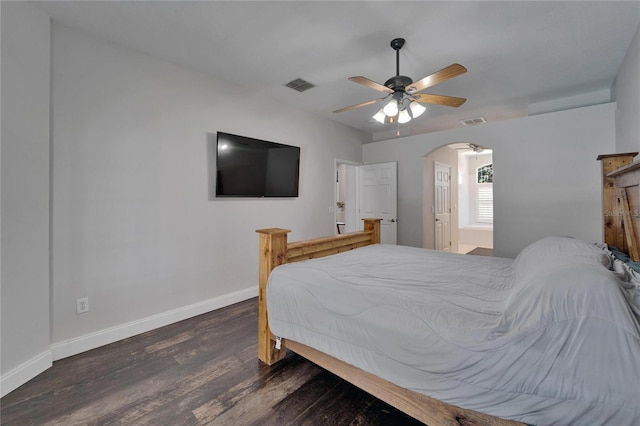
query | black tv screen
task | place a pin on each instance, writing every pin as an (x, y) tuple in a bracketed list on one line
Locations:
[(248, 167)]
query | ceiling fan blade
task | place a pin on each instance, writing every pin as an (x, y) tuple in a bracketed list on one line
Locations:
[(437, 77), (361, 104), (370, 84), (439, 99)]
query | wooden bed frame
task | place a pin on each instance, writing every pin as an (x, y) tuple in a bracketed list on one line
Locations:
[(274, 251)]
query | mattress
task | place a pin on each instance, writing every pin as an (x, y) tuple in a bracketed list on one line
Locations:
[(548, 338)]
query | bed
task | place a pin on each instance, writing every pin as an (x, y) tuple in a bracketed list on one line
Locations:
[(552, 337)]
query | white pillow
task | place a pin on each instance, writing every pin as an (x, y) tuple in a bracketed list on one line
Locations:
[(550, 251)]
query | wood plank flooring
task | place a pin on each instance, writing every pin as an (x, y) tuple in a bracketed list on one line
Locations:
[(481, 251), (201, 371)]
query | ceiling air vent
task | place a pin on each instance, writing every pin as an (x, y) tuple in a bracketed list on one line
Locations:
[(300, 85), (473, 121)]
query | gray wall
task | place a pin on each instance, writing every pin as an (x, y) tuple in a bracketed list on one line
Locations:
[(546, 177), (133, 227), (626, 93), (25, 193), (130, 223)]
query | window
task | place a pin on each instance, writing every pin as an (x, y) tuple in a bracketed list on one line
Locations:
[(485, 174), (484, 194)]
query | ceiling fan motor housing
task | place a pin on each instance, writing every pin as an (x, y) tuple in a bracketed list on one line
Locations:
[(399, 82)]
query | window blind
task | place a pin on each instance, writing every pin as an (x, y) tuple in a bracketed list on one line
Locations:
[(484, 203)]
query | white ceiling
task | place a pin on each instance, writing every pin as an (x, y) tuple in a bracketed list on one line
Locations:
[(517, 52)]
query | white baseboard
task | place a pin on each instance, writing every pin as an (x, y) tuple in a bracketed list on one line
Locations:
[(113, 334), (25, 372)]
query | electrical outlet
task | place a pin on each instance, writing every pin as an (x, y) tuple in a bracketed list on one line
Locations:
[(82, 305)]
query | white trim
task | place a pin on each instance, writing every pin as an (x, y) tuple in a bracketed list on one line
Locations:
[(25, 372), (96, 339)]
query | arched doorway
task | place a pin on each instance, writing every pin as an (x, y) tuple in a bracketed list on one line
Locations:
[(470, 201)]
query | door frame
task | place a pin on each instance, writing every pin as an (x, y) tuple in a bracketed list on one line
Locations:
[(336, 163)]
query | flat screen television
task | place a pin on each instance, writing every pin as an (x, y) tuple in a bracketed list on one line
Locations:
[(248, 167)]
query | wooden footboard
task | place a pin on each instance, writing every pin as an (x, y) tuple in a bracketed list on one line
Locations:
[(274, 251)]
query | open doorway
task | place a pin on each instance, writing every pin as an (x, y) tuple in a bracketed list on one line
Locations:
[(369, 190), (346, 197), (469, 201), (475, 199)]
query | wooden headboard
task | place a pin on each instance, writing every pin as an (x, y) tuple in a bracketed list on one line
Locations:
[(621, 202)]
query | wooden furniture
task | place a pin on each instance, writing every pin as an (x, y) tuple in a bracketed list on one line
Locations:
[(621, 202), (274, 251)]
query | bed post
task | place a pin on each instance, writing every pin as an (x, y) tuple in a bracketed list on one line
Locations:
[(613, 231), (273, 252), (373, 225)]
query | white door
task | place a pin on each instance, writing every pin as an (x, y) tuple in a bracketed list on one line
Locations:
[(378, 197), (442, 205)]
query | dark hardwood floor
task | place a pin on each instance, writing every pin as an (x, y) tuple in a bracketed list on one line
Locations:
[(201, 371)]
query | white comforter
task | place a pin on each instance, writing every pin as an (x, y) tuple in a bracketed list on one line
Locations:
[(549, 338)]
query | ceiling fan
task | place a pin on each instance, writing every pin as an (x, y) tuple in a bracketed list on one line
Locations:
[(405, 102), (471, 147)]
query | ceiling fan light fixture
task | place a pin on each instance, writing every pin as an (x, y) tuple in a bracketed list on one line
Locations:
[(391, 109), (380, 116), (416, 109), (404, 117)]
